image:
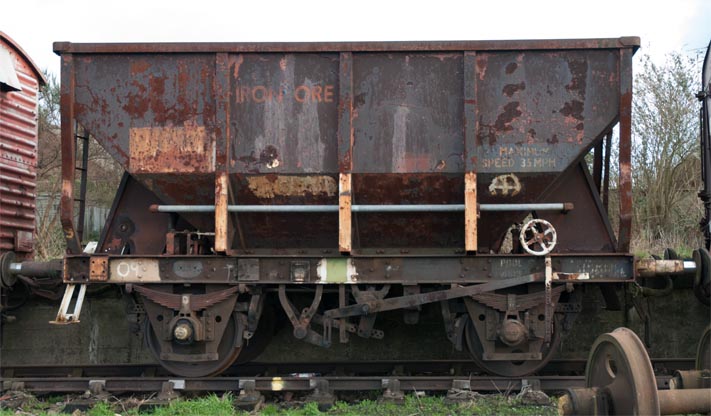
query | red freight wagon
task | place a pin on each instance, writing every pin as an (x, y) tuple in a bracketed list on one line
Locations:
[(20, 81)]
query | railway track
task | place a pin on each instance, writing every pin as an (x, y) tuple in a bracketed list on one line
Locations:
[(121, 385), (618, 378), (439, 375)]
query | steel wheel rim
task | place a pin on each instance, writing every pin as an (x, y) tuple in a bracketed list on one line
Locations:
[(226, 351), (703, 351), (619, 364), (702, 276), (508, 368)]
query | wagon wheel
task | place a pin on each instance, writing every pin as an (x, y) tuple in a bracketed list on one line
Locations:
[(510, 368), (7, 279), (702, 279), (703, 351), (538, 237), (261, 338), (620, 367), (226, 350)]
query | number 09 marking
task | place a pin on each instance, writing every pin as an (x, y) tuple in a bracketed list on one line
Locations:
[(124, 269), (135, 270)]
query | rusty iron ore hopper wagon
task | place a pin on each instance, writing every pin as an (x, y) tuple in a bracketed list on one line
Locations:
[(338, 181)]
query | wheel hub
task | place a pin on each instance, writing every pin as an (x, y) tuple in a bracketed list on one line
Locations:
[(183, 332), (193, 334), (513, 332)]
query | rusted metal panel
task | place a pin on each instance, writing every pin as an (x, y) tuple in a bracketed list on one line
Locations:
[(98, 268), (345, 113), (285, 107), (541, 111), (149, 97), (407, 120), (471, 119), (224, 224), (625, 151), (171, 149), (334, 268), (66, 202), (18, 151), (409, 112), (409, 230), (130, 227), (471, 213), (211, 47), (586, 227), (273, 186)]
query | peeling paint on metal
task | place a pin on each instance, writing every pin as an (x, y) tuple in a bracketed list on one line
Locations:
[(171, 149), (399, 139), (336, 270), (505, 185), (134, 270), (270, 186), (309, 145)]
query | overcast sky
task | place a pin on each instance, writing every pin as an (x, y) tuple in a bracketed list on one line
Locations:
[(663, 25)]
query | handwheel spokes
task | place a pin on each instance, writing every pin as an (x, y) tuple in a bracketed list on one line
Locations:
[(538, 232)]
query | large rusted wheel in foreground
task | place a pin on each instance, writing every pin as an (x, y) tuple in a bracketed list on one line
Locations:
[(226, 350), (620, 367), (510, 368)]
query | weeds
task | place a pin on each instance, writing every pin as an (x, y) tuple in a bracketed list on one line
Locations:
[(413, 405)]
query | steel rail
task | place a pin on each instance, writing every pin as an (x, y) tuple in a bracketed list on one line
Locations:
[(295, 383), (452, 367), (299, 376)]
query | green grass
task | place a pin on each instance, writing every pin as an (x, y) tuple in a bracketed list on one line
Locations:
[(208, 405), (101, 409), (488, 405), (222, 406)]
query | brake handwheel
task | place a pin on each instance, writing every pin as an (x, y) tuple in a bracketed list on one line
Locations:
[(538, 237)]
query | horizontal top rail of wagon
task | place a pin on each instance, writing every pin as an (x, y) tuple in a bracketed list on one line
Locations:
[(409, 46)]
